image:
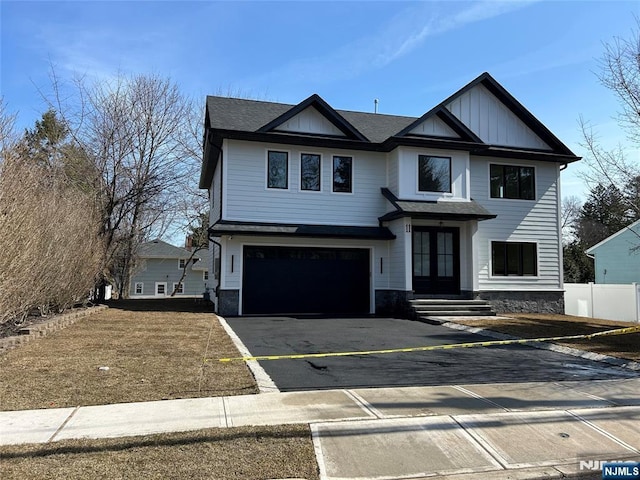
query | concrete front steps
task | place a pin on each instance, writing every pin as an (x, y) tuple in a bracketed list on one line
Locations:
[(426, 308)]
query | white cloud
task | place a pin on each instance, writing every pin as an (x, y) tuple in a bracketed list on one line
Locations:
[(402, 34)]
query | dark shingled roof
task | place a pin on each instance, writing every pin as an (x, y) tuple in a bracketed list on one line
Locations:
[(435, 210), (250, 115), (224, 227)]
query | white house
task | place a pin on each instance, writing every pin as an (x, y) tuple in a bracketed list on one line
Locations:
[(317, 210)]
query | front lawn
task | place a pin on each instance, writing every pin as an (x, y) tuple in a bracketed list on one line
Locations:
[(224, 454), (534, 325), (153, 350)]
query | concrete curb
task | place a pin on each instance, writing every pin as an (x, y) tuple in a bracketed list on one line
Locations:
[(618, 362), (264, 381), (42, 329)]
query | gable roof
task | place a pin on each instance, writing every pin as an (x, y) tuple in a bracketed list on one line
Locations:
[(633, 226), (448, 118), (487, 81), (159, 249), (256, 120), (325, 109)]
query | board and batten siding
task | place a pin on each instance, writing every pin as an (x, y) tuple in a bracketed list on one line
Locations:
[(246, 197), (308, 121), (519, 221), (492, 121), (165, 270)]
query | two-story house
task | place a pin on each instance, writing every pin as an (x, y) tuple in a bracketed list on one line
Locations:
[(318, 210)]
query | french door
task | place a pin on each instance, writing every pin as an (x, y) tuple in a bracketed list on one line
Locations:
[(436, 260)]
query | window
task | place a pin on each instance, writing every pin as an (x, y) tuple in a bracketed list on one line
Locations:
[(310, 172), (512, 182), (277, 170), (514, 258), (182, 263), (139, 288), (161, 288), (342, 174), (178, 288), (205, 275), (434, 174)]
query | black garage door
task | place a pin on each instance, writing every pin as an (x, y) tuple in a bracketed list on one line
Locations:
[(305, 280)]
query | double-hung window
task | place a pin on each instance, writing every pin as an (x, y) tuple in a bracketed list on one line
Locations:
[(514, 259), (139, 288), (182, 262), (277, 170), (515, 182), (342, 174), (178, 288), (434, 174)]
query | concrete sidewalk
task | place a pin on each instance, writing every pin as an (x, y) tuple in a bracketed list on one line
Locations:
[(524, 430)]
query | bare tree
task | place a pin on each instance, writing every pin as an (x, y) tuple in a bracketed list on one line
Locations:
[(620, 73), (570, 213), (138, 131)]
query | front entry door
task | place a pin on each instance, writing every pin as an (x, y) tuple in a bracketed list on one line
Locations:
[(436, 260)]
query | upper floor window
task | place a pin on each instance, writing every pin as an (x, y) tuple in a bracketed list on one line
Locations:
[(277, 169), (514, 258), (509, 181), (205, 275), (310, 172), (342, 174), (182, 262), (434, 174)]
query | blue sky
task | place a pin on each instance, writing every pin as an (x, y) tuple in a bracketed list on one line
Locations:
[(409, 55)]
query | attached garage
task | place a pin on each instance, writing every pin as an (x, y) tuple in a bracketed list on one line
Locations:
[(305, 280)]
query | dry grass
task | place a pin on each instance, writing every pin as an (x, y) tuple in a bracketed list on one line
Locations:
[(233, 454), (548, 325), (154, 351)]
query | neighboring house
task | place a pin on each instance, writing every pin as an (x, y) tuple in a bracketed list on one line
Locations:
[(617, 258), (317, 210), (160, 267)]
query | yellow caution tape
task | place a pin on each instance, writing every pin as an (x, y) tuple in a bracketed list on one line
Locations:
[(491, 343)]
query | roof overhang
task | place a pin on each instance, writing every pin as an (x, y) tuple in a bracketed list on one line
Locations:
[(227, 227), (420, 209)]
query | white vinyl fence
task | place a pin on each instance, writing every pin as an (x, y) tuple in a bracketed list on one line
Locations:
[(610, 302)]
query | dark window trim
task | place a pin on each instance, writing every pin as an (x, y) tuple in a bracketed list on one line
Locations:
[(420, 156), (333, 173), (286, 178), (504, 186), (319, 189), (505, 257)]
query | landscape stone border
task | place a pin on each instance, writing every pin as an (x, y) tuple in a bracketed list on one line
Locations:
[(45, 327)]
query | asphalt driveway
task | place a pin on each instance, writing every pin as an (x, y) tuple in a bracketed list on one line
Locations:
[(515, 363)]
